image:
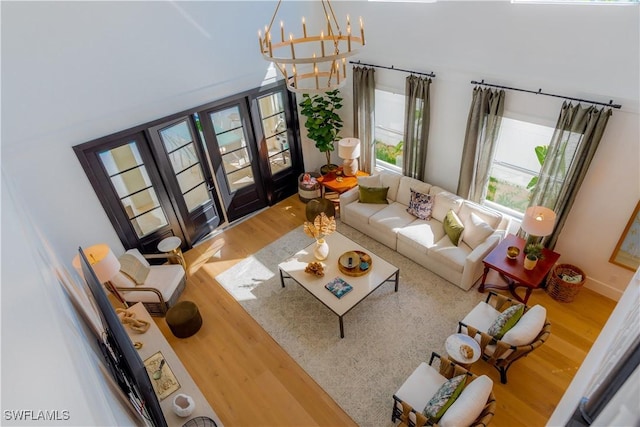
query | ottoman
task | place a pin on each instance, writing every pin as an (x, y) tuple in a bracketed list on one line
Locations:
[(184, 319)]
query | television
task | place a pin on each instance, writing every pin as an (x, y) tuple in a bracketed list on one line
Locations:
[(122, 359)]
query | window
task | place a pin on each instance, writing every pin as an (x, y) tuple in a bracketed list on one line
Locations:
[(516, 164), (389, 130), (274, 125)]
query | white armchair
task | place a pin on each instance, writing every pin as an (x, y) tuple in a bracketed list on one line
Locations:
[(161, 287)]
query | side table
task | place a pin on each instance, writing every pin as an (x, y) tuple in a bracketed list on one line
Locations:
[(171, 245), (337, 183), (452, 345), (513, 271)]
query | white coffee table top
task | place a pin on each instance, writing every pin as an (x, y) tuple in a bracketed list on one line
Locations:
[(380, 272)]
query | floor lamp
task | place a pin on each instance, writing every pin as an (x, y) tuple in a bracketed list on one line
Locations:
[(538, 222), (349, 150), (104, 264)]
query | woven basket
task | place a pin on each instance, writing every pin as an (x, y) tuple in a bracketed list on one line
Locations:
[(561, 290)]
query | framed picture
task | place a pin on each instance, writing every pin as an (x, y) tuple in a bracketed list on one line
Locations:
[(627, 251)]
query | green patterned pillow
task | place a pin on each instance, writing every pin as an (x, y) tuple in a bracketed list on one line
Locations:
[(506, 320), (453, 227), (373, 194), (444, 397)]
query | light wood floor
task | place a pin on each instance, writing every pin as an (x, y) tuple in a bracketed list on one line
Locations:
[(250, 381)]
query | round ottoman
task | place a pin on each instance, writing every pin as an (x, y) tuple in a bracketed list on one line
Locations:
[(316, 206), (184, 319)]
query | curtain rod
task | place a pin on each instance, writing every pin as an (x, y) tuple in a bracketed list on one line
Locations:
[(431, 74), (540, 92)]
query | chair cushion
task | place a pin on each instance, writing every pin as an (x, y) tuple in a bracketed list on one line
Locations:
[(481, 317), (527, 328), (420, 205), (444, 397), (453, 227), (132, 267), (165, 278), (421, 385), (506, 320), (373, 194), (476, 230), (469, 405)]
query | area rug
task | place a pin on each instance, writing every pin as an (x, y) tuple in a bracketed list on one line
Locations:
[(386, 336)]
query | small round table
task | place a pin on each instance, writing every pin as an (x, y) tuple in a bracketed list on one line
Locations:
[(452, 345), (172, 245)]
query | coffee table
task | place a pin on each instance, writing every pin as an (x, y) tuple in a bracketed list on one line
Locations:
[(380, 272), (513, 269)]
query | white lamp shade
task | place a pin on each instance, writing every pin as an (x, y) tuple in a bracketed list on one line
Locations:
[(102, 260), (349, 148), (538, 221)]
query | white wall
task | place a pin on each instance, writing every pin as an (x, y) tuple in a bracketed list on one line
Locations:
[(75, 71)]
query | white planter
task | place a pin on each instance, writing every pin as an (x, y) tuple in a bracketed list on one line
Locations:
[(321, 252), (183, 405)]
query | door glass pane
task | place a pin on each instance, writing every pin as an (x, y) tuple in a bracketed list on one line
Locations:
[(197, 197), (190, 178), (130, 179), (178, 142), (274, 127), (236, 159)]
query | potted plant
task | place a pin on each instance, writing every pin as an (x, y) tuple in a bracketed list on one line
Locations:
[(323, 123), (533, 253)]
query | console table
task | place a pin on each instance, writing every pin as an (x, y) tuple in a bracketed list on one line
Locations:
[(152, 342), (513, 269)]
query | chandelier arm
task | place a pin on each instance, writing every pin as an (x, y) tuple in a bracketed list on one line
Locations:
[(332, 14), (275, 12)]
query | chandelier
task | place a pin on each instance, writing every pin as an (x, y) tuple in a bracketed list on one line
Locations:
[(313, 62)]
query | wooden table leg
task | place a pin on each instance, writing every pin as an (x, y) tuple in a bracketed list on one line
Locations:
[(484, 277)]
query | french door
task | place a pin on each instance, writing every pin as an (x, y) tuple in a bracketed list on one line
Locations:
[(183, 167)]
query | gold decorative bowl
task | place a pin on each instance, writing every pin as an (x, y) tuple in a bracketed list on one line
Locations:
[(513, 252)]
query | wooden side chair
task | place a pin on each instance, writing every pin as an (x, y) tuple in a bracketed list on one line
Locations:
[(475, 406), (528, 333)]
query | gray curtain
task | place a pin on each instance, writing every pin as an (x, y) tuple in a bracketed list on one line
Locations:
[(364, 115), (483, 125), (572, 147), (416, 127)]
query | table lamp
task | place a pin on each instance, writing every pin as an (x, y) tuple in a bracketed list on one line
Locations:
[(349, 150), (538, 222), (104, 263)]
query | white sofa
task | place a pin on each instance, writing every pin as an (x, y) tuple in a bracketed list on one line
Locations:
[(426, 242)]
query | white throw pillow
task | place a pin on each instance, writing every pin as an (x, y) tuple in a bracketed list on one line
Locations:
[(468, 406), (476, 231), (527, 328), (370, 181)]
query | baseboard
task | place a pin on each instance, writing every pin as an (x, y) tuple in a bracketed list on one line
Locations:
[(603, 289)]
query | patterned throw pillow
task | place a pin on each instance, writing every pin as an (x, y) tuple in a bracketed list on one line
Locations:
[(506, 320), (453, 227), (132, 267), (420, 205), (444, 397)]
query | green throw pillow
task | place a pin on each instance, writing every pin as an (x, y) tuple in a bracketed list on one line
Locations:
[(373, 194), (506, 320), (444, 397), (453, 227)]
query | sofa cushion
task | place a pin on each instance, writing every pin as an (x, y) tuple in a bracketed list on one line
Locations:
[(453, 227), (506, 320), (487, 215), (373, 194), (527, 328), (404, 189), (476, 230), (392, 181), (420, 205), (393, 218), (469, 405), (359, 213), (444, 397), (421, 235), (450, 255), (370, 181), (443, 203)]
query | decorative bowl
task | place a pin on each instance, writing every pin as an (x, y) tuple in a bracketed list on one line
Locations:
[(349, 260), (513, 252)]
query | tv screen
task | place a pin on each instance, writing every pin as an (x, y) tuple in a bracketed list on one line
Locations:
[(123, 360)]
